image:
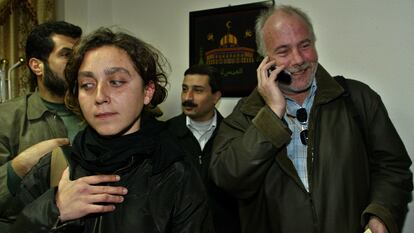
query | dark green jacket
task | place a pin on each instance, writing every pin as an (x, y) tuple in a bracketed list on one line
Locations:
[(24, 121), (350, 178)]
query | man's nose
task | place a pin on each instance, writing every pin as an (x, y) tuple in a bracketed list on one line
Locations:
[(189, 95), (297, 57)]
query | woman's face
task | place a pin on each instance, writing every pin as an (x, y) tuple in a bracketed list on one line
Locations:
[(111, 92)]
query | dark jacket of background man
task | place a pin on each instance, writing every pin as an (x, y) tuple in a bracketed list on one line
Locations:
[(200, 93)]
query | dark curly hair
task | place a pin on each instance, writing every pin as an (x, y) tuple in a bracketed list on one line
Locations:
[(150, 64)]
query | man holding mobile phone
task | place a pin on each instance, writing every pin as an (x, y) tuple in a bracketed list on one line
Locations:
[(313, 155)]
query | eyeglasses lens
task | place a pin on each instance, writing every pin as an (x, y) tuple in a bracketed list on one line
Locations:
[(302, 117), (304, 137)]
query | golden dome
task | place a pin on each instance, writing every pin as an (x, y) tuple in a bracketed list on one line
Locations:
[(228, 40)]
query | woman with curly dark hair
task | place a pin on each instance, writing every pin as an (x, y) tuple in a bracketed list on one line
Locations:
[(124, 174)]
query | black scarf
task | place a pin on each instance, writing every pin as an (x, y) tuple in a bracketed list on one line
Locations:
[(99, 154)]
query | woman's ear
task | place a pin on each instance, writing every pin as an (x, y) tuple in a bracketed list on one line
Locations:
[(36, 66), (149, 91)]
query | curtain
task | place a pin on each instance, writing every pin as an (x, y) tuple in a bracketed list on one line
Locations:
[(17, 18)]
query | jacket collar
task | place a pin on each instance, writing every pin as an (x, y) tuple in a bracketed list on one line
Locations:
[(35, 107), (328, 89)]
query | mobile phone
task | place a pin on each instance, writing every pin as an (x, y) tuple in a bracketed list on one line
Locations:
[(283, 77)]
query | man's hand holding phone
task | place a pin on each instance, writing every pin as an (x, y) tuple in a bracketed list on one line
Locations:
[(268, 88), (283, 77)]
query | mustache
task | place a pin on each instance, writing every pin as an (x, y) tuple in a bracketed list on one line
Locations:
[(189, 103), (298, 68)]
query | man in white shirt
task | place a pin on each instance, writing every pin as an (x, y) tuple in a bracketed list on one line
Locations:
[(195, 130)]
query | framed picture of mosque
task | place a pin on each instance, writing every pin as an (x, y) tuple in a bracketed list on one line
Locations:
[(225, 38)]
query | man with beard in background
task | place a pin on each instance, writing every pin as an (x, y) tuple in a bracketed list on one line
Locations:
[(34, 124)]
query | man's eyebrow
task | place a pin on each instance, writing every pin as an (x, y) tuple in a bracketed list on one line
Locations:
[(198, 86), (281, 47), (308, 40), (65, 50), (113, 70)]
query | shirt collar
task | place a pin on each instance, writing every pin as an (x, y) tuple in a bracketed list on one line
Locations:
[(292, 106), (193, 124)]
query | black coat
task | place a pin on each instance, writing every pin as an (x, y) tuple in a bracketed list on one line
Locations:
[(224, 207), (164, 195)]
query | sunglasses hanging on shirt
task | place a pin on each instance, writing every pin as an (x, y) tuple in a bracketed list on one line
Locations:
[(302, 117)]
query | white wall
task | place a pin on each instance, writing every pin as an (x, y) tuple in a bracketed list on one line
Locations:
[(369, 40)]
